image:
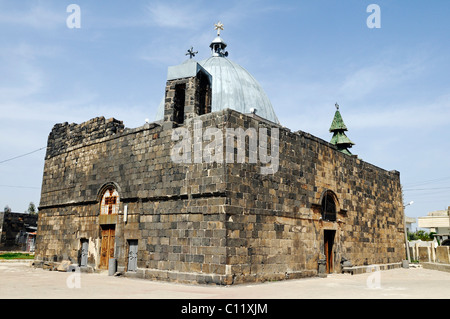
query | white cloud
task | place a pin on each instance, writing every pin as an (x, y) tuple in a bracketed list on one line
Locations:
[(382, 94), (183, 15), (21, 79), (368, 79), (31, 81), (195, 20), (37, 16), (411, 115), (406, 116), (19, 65)]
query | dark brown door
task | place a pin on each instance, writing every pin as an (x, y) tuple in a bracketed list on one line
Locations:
[(328, 236), (107, 248)]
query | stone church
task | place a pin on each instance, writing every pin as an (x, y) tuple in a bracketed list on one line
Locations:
[(216, 190)]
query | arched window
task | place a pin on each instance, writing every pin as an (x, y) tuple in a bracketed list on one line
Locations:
[(179, 103), (110, 202), (328, 206), (203, 94)]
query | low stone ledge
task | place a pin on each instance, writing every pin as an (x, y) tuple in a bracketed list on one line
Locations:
[(196, 278), (354, 270), (23, 261), (436, 266), (181, 277), (62, 267)]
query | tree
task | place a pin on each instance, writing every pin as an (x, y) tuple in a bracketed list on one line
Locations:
[(7, 209), (420, 234), (423, 235), (433, 236), (412, 236), (32, 209)]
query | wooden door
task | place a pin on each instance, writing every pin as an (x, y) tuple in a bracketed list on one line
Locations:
[(328, 248), (107, 247)]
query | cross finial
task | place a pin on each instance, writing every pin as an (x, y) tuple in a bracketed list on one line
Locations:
[(191, 53), (337, 106), (218, 26)]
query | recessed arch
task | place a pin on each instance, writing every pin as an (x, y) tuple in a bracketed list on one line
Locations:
[(101, 191), (329, 204), (109, 199)]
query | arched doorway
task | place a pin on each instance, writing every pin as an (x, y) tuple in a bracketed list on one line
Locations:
[(329, 205), (109, 205)]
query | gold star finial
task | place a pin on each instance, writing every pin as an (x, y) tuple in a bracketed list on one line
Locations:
[(218, 26)]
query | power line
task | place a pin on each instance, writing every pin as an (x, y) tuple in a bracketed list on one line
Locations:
[(427, 182), (425, 189), (11, 186), (13, 158)]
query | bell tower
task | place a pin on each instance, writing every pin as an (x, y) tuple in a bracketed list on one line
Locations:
[(188, 91)]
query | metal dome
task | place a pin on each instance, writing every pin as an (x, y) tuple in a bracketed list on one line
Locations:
[(233, 86)]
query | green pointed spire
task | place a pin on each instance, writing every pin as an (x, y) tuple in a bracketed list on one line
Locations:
[(342, 142), (338, 122)]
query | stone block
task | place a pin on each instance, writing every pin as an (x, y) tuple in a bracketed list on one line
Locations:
[(424, 254), (443, 254), (64, 266)]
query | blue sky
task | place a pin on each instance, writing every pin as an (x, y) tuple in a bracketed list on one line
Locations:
[(392, 83)]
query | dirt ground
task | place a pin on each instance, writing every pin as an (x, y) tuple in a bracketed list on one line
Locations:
[(18, 281)]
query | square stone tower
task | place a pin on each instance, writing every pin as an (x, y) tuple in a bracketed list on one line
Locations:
[(188, 93)]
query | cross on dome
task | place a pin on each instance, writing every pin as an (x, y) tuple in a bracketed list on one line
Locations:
[(218, 45), (218, 26)]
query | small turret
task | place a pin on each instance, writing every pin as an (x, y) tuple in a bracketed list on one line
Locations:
[(218, 45), (342, 142)]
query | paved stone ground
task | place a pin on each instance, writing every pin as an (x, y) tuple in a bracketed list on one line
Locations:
[(18, 280)]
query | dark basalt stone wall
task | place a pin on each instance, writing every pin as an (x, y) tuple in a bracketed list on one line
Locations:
[(220, 222)]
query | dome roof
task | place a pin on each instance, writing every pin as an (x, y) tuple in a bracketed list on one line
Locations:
[(233, 86)]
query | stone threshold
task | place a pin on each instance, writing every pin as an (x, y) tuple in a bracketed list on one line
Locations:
[(355, 270)]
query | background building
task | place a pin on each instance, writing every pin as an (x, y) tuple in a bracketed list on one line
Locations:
[(438, 222), (17, 231), (409, 221)]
